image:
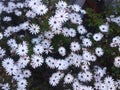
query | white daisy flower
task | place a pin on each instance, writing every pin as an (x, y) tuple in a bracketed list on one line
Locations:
[(76, 8), (22, 49), (62, 51), (24, 26), (2, 52), (22, 83), (30, 14), (81, 76), (86, 55), (34, 29), (46, 43), (26, 73), (18, 13), (77, 60), (65, 32), (85, 67), (98, 36), (93, 58), (68, 79), (35, 41), (6, 63), (18, 77), (76, 85), (38, 49), (61, 5), (109, 81), (87, 42), (34, 3), (51, 62), (8, 32), (117, 62), (75, 46), (104, 28), (116, 39), (61, 15), (75, 18), (23, 62), (12, 70), (99, 51), (37, 61), (49, 35), (81, 29), (5, 86), (88, 76), (1, 36), (54, 22), (57, 30), (40, 10), (53, 81), (7, 18), (62, 65), (72, 32)]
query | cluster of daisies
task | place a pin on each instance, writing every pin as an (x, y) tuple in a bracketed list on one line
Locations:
[(77, 68)]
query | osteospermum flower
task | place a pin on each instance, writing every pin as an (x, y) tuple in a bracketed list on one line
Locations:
[(104, 28), (61, 64), (117, 62), (40, 10), (49, 35), (75, 46), (7, 62), (46, 43), (55, 78), (61, 4), (53, 81), (116, 39), (54, 22), (72, 32), (8, 32), (6, 86), (99, 51), (18, 76), (86, 55), (61, 15), (81, 29), (23, 62), (38, 49), (33, 4), (97, 36), (109, 81), (26, 73), (76, 85), (65, 32), (1, 36), (22, 49), (7, 19), (34, 29), (76, 7), (62, 51), (30, 14), (87, 42), (2, 52), (12, 70), (75, 18), (37, 61), (51, 62), (68, 79), (22, 83)]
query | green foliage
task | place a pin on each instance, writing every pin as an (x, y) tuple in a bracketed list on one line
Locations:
[(94, 19)]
